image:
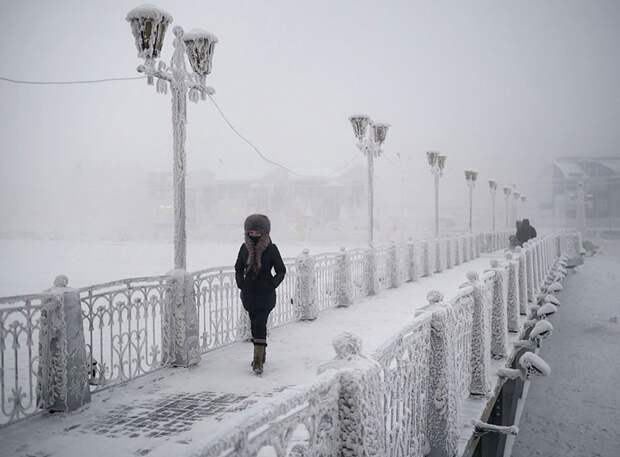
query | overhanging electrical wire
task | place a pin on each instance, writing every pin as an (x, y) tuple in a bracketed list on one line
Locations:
[(60, 83), (215, 104)]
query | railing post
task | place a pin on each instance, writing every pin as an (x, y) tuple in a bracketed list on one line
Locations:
[(438, 267), (393, 273), (442, 410), (372, 283), (448, 253), (499, 323), (360, 408), (523, 280), (413, 267), (529, 266), (180, 334), (344, 281), (426, 261), (512, 305), (466, 256), (457, 251), (305, 293), (480, 343), (62, 380)]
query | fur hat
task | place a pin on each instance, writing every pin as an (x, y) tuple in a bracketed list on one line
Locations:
[(257, 222)]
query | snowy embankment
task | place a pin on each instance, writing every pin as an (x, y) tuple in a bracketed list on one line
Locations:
[(30, 266), (294, 354)]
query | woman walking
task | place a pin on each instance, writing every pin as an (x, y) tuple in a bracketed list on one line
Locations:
[(255, 261)]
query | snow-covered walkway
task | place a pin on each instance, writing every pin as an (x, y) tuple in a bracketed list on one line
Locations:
[(173, 411), (576, 410)]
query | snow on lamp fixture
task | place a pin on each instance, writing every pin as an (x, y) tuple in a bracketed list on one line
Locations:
[(379, 132), (441, 162), (359, 122), (148, 25), (199, 46)]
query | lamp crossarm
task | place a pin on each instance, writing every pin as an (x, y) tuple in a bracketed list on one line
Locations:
[(166, 75)]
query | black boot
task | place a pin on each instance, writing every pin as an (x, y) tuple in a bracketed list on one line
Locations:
[(257, 361)]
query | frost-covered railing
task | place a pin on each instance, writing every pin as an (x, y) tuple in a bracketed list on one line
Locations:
[(404, 362), (125, 325), (303, 418), (19, 355), (123, 328), (325, 271)]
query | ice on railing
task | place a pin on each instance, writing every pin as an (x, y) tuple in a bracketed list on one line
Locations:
[(404, 361), (19, 345), (122, 326)]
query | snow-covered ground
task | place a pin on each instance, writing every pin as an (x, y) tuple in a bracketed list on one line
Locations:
[(576, 410), (29, 266)]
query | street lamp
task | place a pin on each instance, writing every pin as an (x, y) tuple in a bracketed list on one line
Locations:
[(437, 162), (493, 189), (471, 176), (148, 25), (507, 192), (369, 141)]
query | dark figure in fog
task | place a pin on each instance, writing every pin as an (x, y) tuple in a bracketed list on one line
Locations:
[(525, 232), (258, 256)]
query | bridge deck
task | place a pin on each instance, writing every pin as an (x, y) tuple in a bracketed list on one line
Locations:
[(174, 411)]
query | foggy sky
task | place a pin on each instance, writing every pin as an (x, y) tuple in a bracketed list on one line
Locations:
[(499, 86)]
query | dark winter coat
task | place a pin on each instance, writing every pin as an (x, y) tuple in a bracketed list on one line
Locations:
[(526, 232), (259, 289)]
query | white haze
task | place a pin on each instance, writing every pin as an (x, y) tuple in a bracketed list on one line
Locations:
[(499, 86)]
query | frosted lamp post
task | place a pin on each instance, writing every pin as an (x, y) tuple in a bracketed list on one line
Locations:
[(493, 190), (148, 25), (507, 192), (369, 141), (515, 203), (470, 177), (437, 162)]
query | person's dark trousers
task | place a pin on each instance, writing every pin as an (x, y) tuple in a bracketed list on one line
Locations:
[(258, 317)]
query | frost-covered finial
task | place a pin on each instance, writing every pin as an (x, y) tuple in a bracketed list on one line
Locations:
[(519, 249), (472, 276), (555, 287), (347, 346), (434, 296), (61, 281), (534, 365), (306, 251)]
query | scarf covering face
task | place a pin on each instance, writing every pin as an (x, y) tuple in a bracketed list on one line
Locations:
[(255, 251)]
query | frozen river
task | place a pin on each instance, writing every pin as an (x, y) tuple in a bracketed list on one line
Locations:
[(29, 266)]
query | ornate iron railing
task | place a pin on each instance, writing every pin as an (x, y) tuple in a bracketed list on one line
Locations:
[(325, 274), (122, 327), (359, 272), (463, 305), (303, 421), (19, 355), (404, 360), (221, 317)]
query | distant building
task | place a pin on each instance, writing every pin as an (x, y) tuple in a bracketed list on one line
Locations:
[(601, 180), (311, 202)]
